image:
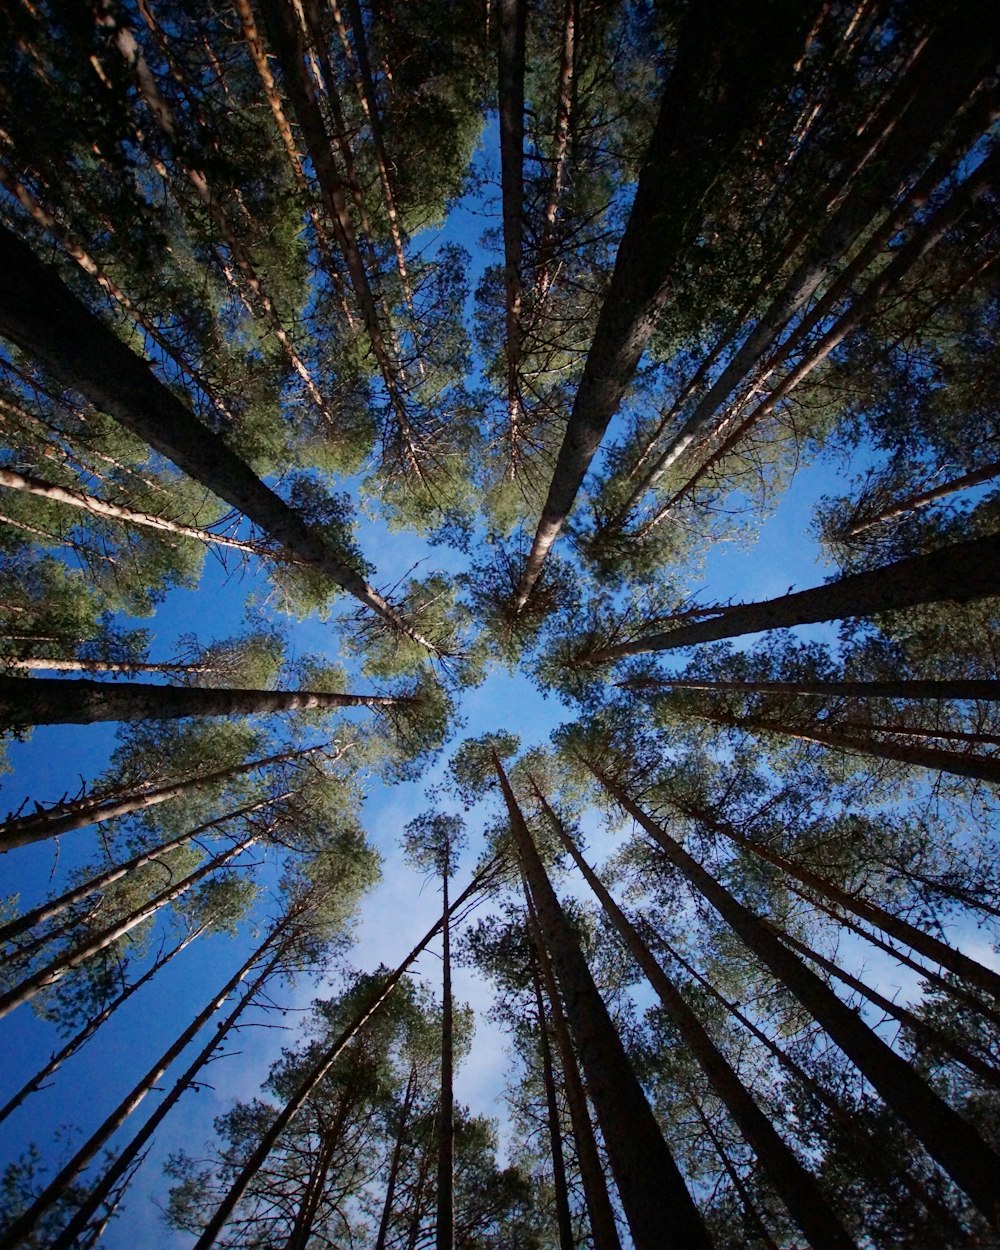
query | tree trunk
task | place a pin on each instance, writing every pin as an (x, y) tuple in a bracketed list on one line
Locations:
[(595, 1190), (753, 1216), (35, 664), (94, 944), (55, 907), (26, 1223), (396, 1158), (912, 731), (666, 211), (920, 499), (961, 572), (45, 319), (985, 690), (320, 1069), (445, 1237), (657, 1205), (52, 701), (795, 1185), (564, 1221), (950, 1140), (968, 970), (512, 16), (565, 96), (78, 814), (37, 1082), (93, 506)]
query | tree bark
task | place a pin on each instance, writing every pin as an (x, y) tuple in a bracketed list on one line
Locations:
[(564, 1222), (78, 814), (667, 209), (958, 1147), (319, 1071), (961, 572), (52, 701), (445, 1235), (657, 1205), (985, 690), (795, 1185), (512, 15), (45, 319)]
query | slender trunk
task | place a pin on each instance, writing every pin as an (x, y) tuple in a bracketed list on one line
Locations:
[(921, 1029), (753, 1216), (657, 1205), (79, 813), (961, 572), (968, 970), (305, 1217), (37, 1082), (55, 907), (959, 763), (603, 1229), (445, 1238), (52, 701), (949, 1139), (560, 148), (510, 94), (26, 1223), (45, 319), (396, 1158), (795, 1185), (36, 664), (985, 690), (116, 512), (564, 1221), (912, 731), (95, 943), (920, 499), (667, 210), (318, 1072)]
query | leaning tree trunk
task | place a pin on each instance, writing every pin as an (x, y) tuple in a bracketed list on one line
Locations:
[(920, 499), (396, 1158), (445, 1236), (564, 1220), (28, 701), (49, 323), (93, 945), (968, 970), (949, 1139), (657, 1205), (37, 1082), (795, 1185), (984, 690), (751, 1213), (603, 1229), (79, 813), (961, 572), (512, 16), (315, 1076), (667, 210), (26, 1223)]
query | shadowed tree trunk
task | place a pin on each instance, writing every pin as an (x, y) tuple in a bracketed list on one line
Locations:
[(512, 15), (795, 1185), (396, 1158), (564, 1222), (657, 1205), (445, 1234), (985, 690), (920, 499), (950, 1140), (962, 572), (52, 701)]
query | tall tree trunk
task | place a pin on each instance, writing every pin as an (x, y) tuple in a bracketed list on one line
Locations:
[(657, 1205), (90, 504), (603, 1229), (36, 664), (445, 1237), (45, 319), (319, 1070), (968, 970), (512, 15), (53, 701), (565, 96), (396, 1158), (564, 1221), (795, 1185), (961, 572), (55, 907), (665, 213), (950, 1140), (95, 943), (913, 731), (985, 690), (79, 813), (26, 1223), (920, 499), (753, 1216), (37, 1082)]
